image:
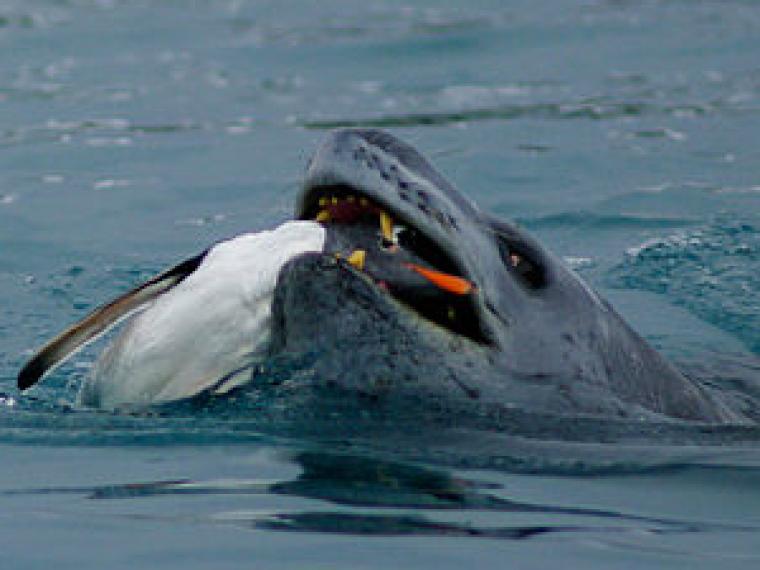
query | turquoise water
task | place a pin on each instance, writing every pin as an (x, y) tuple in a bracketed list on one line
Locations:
[(622, 133)]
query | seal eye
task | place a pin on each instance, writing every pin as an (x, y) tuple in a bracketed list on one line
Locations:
[(522, 262)]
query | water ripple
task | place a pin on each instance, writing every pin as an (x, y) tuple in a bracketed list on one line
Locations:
[(592, 110), (714, 271), (355, 492), (597, 221)]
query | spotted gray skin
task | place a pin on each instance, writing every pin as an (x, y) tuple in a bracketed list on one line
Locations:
[(551, 347)]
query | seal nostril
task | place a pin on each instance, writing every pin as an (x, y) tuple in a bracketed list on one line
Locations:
[(360, 154)]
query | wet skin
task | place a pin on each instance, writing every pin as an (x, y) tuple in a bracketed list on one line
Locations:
[(529, 334), (408, 292)]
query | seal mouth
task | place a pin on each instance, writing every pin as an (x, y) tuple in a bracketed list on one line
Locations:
[(398, 257)]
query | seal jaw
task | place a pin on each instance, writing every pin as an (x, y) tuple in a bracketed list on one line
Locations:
[(399, 182), (371, 238)]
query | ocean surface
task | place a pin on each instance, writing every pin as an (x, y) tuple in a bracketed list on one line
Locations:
[(623, 133)]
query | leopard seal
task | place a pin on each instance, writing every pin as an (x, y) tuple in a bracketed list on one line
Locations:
[(405, 289), (530, 334)]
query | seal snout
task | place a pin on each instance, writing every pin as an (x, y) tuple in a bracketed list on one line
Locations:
[(371, 239)]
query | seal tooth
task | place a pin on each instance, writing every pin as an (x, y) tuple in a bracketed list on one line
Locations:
[(323, 216), (386, 226), (334, 201), (364, 202), (323, 202), (357, 259), (351, 199)]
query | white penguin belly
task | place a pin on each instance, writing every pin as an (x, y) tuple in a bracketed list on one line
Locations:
[(205, 331)]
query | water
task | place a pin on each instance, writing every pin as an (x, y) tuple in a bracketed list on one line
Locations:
[(623, 134)]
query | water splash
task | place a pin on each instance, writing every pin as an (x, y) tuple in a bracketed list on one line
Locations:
[(713, 271)]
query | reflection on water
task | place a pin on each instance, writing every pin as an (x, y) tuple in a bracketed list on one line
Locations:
[(354, 495)]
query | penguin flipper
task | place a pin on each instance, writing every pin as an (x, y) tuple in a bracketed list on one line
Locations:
[(99, 321)]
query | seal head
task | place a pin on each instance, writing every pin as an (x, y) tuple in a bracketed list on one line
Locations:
[(448, 301)]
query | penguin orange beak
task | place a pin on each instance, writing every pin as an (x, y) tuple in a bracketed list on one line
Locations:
[(445, 281)]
